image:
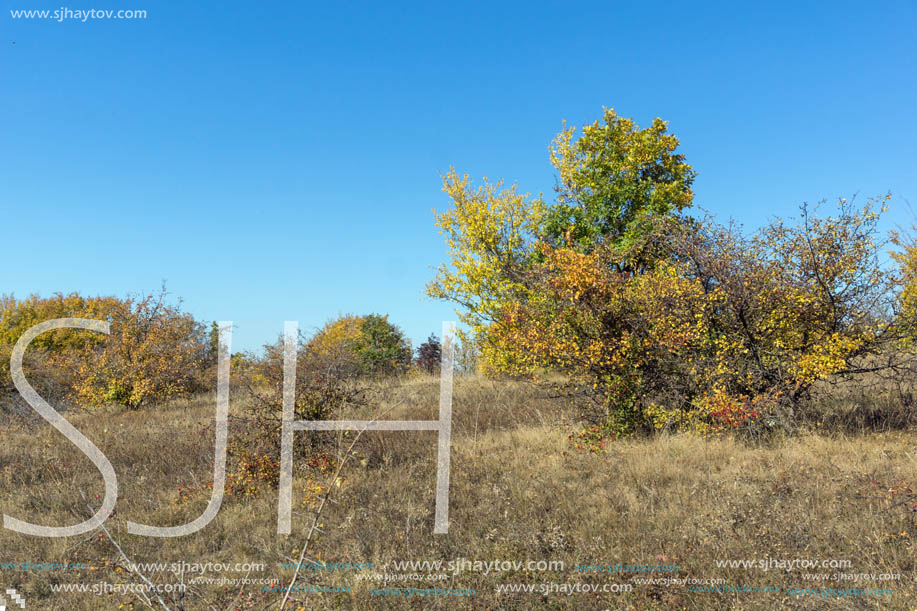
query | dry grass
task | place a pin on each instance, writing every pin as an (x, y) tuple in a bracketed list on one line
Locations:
[(518, 492)]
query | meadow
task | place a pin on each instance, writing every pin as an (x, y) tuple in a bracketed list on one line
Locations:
[(520, 491)]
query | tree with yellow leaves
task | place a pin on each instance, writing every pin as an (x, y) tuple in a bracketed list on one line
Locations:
[(614, 178), (656, 318)]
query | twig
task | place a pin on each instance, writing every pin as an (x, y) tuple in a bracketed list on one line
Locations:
[(321, 505), (126, 559), (315, 518)]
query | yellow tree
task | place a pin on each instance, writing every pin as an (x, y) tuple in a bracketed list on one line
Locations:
[(658, 318), (614, 178), (489, 234), (906, 306), (155, 352), (51, 358)]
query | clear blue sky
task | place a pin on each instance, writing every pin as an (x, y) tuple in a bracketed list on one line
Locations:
[(275, 162)]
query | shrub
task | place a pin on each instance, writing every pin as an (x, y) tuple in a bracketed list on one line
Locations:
[(381, 347), (48, 363), (335, 344), (367, 345), (323, 388), (723, 332), (332, 373), (153, 352), (657, 319)]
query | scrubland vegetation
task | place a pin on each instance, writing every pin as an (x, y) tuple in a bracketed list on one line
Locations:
[(519, 490), (638, 383)]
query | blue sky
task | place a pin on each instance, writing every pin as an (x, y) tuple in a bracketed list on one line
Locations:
[(280, 162)]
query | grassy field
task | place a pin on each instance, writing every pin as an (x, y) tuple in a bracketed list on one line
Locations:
[(519, 492)]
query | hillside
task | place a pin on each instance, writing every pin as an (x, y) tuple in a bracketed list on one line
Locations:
[(519, 492)]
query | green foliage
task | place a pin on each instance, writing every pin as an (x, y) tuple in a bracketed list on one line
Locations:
[(366, 345), (614, 178), (381, 347)]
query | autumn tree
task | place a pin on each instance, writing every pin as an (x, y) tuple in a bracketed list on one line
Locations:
[(155, 352), (659, 319), (368, 345), (906, 258), (490, 233), (49, 363), (335, 345), (614, 179)]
